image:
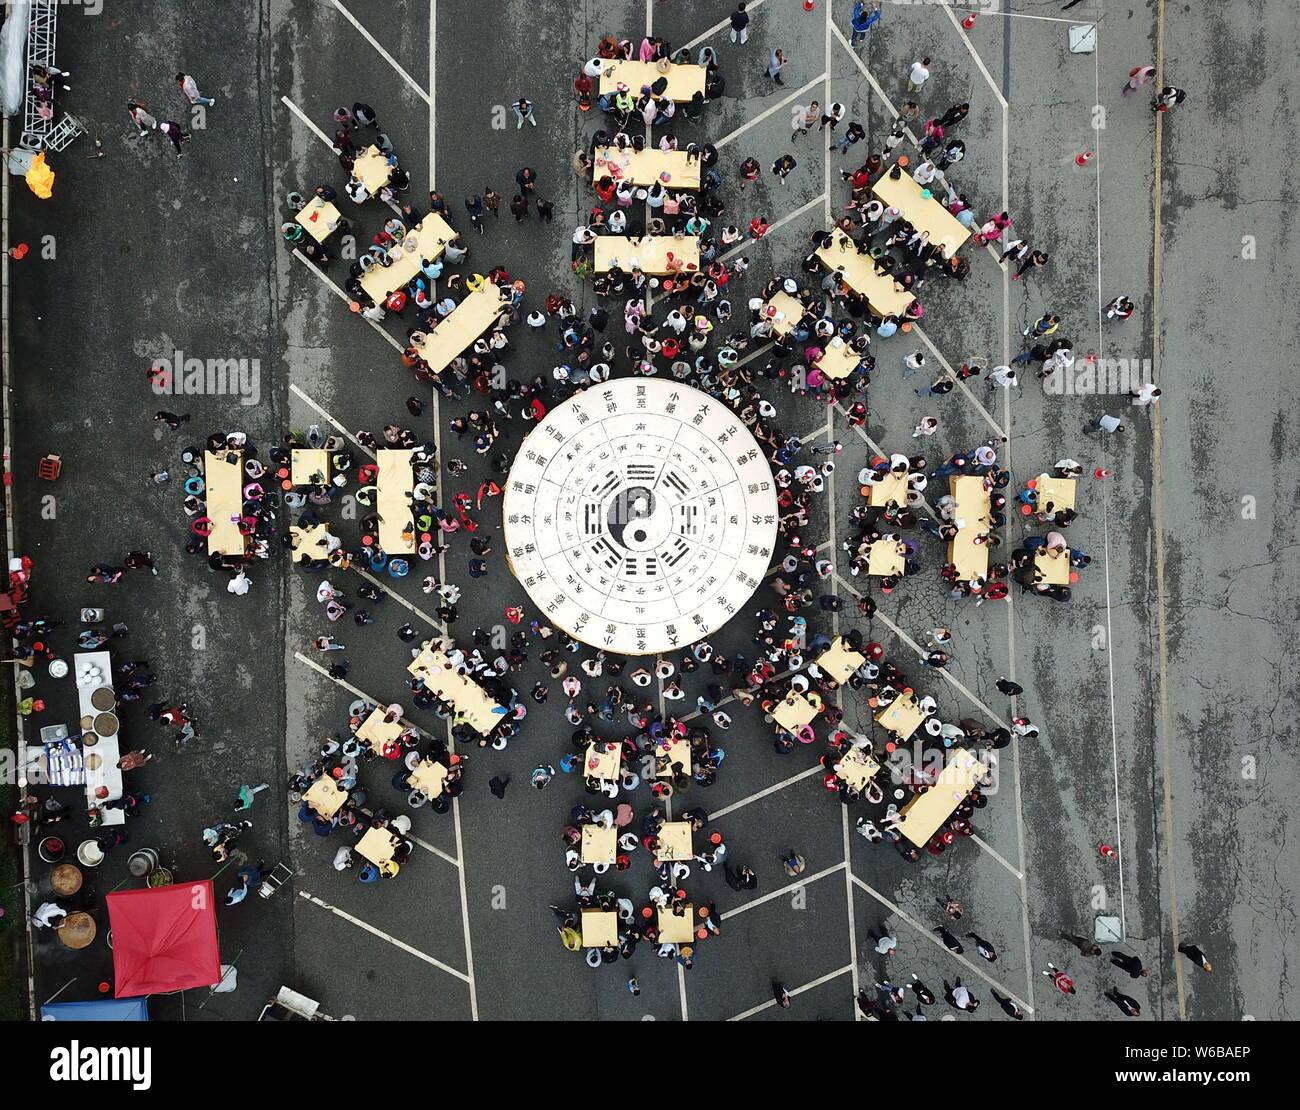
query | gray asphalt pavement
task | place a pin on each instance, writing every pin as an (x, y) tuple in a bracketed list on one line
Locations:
[(1161, 689)]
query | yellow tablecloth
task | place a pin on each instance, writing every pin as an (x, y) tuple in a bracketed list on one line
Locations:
[(643, 167), (789, 312), (395, 483), (683, 81), (923, 213), (886, 558), (375, 732), (371, 168), (675, 841), (325, 797), (468, 320), (599, 928), (377, 846), (310, 541), (793, 712), (971, 515), (599, 845), (603, 765), (677, 928), (892, 487), (881, 294), (470, 700), (839, 661), (1056, 493), (925, 813), (429, 777), (1052, 567), (677, 751), (319, 218), (857, 768), (651, 252), (432, 234), (902, 716), (223, 484), (306, 463)]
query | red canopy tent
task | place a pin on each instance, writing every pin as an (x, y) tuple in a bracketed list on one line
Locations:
[(164, 939)]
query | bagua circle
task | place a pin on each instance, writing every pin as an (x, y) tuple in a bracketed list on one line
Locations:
[(640, 516)]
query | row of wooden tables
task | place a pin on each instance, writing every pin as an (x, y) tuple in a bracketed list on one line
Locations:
[(971, 515), (467, 697), (426, 240), (645, 167), (651, 253), (465, 323)]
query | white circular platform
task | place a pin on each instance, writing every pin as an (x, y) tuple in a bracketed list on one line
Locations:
[(640, 516)]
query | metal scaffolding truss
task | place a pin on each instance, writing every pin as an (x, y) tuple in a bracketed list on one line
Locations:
[(42, 34)]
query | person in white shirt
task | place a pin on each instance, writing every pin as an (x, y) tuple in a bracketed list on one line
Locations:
[(913, 362), (1003, 375), (343, 858), (928, 426), (924, 173), (1146, 395), (919, 75), (239, 585), (49, 915)]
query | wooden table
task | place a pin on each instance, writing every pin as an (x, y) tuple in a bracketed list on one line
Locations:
[(223, 485), (677, 751), (857, 768), (599, 845), (677, 928), (77, 930), (464, 324), (325, 796), (603, 765), (371, 168), (892, 487), (925, 814), (319, 218), (971, 515), (1058, 493), (793, 712), (65, 880), (922, 212), (839, 661), (838, 360), (650, 252), (883, 295), (376, 733), (674, 842), (462, 693), (902, 716), (599, 928), (683, 81), (970, 558), (1052, 567), (886, 557), (309, 467), (377, 846), (395, 484), (429, 777), (431, 236), (789, 311), (643, 167)]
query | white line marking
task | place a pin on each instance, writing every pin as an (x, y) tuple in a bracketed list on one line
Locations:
[(305, 119), (384, 53), (933, 938), (815, 769), (344, 297), (433, 90), (423, 844), (767, 112), (432, 622), (384, 936), (303, 396), (798, 990), (782, 891), (997, 856), (960, 384), (979, 62), (1022, 15), (748, 242)]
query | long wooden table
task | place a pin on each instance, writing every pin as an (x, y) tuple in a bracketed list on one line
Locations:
[(1052, 567), (925, 814), (467, 697), (464, 324), (643, 167), (650, 252), (683, 81), (884, 297), (395, 484), (319, 218), (922, 212), (838, 360), (971, 514), (432, 234), (789, 312), (223, 485), (371, 168)]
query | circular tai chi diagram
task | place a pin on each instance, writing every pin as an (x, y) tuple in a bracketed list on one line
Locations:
[(640, 515)]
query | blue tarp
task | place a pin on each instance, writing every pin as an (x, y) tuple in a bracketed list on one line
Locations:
[(105, 1009)]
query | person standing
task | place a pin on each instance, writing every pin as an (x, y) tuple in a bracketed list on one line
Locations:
[(1121, 308), (1106, 422), (862, 20), (783, 165), (474, 206), (1060, 980), (912, 363), (1011, 689), (740, 25), (140, 116), (779, 994), (492, 202), (950, 942), (1137, 77), (1193, 953), (740, 878), (1145, 395), (984, 948), (1169, 96), (519, 207), (523, 111), (1128, 1005), (1036, 261), (190, 88), (498, 786), (918, 75), (176, 133), (774, 64), (885, 944), (1009, 1006)]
